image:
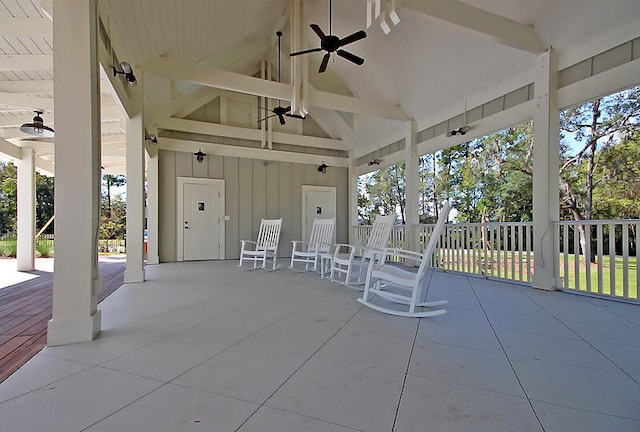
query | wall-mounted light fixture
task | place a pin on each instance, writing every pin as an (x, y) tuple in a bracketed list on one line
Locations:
[(127, 72), (374, 162), (37, 128), (461, 130), (199, 155), (323, 168), (151, 138)]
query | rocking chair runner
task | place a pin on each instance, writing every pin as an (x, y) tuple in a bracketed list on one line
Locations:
[(266, 247), (320, 241), (399, 285), (345, 260)]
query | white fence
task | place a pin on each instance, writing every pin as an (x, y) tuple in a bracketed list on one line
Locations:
[(505, 251), (604, 263)]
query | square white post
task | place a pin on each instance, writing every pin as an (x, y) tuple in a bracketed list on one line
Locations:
[(25, 253), (134, 271), (152, 202), (76, 282), (411, 186), (353, 200), (546, 177)]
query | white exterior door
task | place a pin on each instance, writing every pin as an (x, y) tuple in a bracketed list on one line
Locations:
[(201, 224), (317, 202)]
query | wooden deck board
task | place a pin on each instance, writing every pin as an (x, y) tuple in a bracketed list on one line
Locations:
[(25, 310)]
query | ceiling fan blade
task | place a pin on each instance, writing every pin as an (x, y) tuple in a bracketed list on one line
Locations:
[(351, 57), (325, 62), (361, 34), (281, 118), (267, 117), (316, 28), (305, 52), (286, 110)]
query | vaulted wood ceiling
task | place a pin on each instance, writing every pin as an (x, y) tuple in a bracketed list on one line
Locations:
[(438, 57)]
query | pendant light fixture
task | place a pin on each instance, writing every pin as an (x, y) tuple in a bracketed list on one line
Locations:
[(37, 128)]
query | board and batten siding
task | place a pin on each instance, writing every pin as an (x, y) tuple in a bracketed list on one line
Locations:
[(254, 189)]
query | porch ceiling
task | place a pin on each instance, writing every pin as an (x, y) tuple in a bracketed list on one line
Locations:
[(439, 56)]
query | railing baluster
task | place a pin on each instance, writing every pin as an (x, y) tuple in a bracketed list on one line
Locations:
[(612, 259), (587, 256), (625, 261), (599, 255), (565, 246), (576, 254)]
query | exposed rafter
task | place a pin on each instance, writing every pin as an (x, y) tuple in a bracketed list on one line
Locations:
[(29, 27), (503, 29), (9, 62), (34, 86), (217, 78), (26, 102), (250, 134), (248, 152)]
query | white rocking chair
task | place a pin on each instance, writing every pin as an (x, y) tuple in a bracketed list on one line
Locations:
[(351, 261), (392, 282), (265, 248), (320, 241)]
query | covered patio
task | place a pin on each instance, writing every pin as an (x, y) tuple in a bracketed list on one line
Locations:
[(208, 346)]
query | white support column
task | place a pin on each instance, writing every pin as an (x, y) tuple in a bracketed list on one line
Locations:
[(411, 184), (153, 256), (76, 282), (299, 64), (26, 211), (353, 199), (546, 154), (134, 271)]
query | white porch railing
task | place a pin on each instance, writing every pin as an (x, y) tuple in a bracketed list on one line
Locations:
[(608, 265), (505, 251)]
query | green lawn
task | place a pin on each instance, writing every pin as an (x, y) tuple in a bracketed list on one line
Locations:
[(618, 273), (507, 266)]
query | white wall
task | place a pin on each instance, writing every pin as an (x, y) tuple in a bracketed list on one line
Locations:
[(255, 189)]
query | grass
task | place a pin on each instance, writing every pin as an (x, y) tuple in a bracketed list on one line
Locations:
[(607, 273), (508, 266)]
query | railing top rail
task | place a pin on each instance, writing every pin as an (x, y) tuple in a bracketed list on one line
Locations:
[(597, 222)]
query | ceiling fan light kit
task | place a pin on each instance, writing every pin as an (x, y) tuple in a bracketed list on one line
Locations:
[(37, 128)]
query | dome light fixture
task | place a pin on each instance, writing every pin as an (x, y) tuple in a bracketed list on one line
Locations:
[(37, 128)]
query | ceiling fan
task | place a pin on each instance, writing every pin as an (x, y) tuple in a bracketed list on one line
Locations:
[(279, 111), (331, 43)]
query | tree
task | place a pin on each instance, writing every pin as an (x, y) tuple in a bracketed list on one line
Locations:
[(596, 125), (44, 201), (112, 180), (8, 187), (385, 190)]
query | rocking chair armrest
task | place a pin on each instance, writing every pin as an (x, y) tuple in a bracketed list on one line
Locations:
[(324, 247), (340, 246), (401, 255), (296, 243), (245, 242)]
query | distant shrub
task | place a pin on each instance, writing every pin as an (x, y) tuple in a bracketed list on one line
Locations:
[(44, 248), (8, 248)]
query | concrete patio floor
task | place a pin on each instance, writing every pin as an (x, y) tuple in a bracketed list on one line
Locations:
[(208, 346)]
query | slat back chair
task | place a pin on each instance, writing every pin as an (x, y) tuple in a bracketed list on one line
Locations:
[(390, 281), (266, 246), (351, 262), (320, 241)]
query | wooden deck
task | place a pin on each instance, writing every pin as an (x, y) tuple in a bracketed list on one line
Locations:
[(25, 310)]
